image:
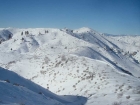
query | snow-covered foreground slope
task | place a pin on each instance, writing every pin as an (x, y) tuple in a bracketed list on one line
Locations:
[(79, 62), (15, 90)]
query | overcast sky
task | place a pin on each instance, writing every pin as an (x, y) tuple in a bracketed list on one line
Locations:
[(106, 16)]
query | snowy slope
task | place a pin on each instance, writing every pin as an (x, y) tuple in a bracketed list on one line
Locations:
[(15, 90), (129, 44), (76, 62)]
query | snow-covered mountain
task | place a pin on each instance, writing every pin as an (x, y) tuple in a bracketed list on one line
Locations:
[(82, 62)]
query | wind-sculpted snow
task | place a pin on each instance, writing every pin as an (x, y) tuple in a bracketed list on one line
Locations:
[(79, 62)]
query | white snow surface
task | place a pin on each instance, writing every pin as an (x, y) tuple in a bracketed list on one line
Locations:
[(84, 66)]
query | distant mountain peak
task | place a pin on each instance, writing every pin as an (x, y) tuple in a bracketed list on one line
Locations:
[(85, 30)]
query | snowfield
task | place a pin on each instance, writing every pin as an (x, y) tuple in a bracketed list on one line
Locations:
[(82, 66)]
